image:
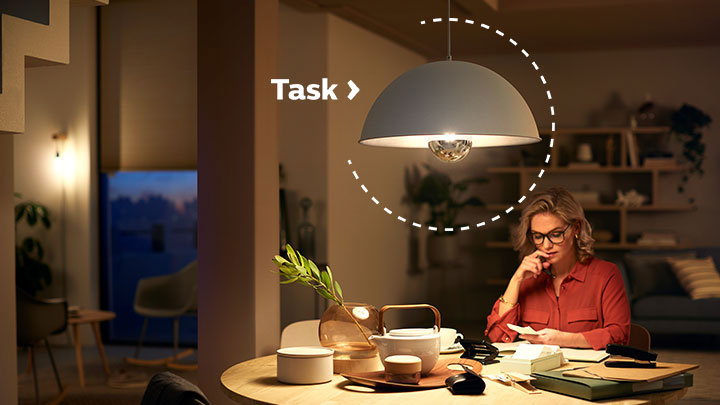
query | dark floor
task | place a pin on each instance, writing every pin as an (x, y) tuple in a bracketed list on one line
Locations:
[(128, 382)]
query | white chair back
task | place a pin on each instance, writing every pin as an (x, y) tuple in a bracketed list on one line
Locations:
[(301, 333)]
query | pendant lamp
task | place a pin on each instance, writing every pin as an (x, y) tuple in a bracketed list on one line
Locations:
[(449, 106)]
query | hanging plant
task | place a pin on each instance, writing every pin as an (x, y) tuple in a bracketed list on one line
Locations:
[(686, 125)]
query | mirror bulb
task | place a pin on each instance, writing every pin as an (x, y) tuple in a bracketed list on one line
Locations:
[(450, 150)]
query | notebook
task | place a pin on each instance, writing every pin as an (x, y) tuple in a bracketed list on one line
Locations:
[(594, 389)]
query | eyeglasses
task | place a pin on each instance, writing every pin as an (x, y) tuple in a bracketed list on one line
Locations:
[(555, 237)]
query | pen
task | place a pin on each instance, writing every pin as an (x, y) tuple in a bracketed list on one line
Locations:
[(546, 271)]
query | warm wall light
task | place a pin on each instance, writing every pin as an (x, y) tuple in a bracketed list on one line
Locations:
[(449, 106), (59, 139)]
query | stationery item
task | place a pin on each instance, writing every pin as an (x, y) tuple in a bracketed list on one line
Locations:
[(480, 350), (589, 355), (467, 383), (434, 379), (584, 354), (595, 389), (304, 365), (642, 359), (518, 381), (529, 358), (661, 371), (523, 330)]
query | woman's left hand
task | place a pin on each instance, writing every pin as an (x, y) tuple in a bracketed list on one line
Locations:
[(547, 337)]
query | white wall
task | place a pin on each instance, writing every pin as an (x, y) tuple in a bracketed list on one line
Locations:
[(302, 148), (367, 248), (63, 99)]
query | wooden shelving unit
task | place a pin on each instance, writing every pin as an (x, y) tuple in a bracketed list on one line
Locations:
[(530, 174), (605, 246)]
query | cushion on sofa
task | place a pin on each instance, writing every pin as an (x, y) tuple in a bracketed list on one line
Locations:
[(676, 307), (650, 274), (699, 277)]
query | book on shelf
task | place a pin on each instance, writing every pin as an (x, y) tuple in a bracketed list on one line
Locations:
[(583, 165), (657, 238), (632, 149), (659, 162)]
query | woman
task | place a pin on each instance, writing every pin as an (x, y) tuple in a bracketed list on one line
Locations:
[(560, 289)]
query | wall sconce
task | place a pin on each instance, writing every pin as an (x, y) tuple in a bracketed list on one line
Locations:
[(59, 140)]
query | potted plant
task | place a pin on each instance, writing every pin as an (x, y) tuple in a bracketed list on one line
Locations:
[(32, 274), (686, 125), (445, 199)]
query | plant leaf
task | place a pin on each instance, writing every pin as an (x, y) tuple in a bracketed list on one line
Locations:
[(314, 269), (339, 290), (291, 255), (325, 279), (289, 280), (332, 280)]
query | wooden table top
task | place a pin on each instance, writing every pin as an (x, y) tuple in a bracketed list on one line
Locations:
[(255, 381), (90, 315)]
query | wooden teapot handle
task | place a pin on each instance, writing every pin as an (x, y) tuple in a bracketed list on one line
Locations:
[(408, 306)]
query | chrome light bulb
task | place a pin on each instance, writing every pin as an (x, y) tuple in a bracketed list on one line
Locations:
[(450, 150)]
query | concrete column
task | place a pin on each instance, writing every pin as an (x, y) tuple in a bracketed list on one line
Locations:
[(239, 299), (8, 345)]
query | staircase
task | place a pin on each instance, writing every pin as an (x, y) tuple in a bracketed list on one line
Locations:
[(27, 43)]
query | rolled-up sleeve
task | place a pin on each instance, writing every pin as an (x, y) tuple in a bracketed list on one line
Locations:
[(497, 329), (615, 315)]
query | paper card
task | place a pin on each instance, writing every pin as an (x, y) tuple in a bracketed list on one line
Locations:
[(528, 351), (523, 330)]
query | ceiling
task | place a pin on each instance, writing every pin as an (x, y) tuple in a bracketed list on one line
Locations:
[(538, 25)]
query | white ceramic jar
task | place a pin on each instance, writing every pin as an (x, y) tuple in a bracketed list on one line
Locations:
[(304, 365)]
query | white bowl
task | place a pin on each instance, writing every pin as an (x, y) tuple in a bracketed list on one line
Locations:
[(304, 365)]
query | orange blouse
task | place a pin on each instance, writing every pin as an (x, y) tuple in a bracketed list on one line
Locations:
[(592, 301)]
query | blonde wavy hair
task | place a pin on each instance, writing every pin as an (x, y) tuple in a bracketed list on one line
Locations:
[(557, 201)]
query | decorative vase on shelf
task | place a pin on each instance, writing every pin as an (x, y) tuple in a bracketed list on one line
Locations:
[(306, 230), (354, 353)]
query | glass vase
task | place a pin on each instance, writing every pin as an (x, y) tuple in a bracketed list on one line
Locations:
[(338, 331)]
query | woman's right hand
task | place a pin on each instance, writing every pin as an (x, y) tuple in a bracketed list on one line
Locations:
[(531, 266)]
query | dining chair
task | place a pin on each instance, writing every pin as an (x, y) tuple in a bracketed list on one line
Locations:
[(36, 320), (301, 333), (167, 388), (167, 296), (639, 337)]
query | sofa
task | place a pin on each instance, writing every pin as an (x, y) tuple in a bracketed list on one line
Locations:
[(658, 302)]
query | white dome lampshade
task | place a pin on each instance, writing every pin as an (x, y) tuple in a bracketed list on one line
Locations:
[(449, 104)]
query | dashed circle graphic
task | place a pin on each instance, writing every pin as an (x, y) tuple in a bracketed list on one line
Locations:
[(531, 188)]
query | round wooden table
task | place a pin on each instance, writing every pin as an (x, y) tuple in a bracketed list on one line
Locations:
[(92, 317), (255, 381)]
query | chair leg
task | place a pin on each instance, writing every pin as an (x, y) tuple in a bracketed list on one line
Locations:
[(52, 361), (35, 382), (176, 335), (142, 335)]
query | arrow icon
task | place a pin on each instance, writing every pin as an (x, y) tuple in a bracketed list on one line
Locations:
[(354, 90)]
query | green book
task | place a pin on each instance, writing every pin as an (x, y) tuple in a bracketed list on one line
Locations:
[(593, 389)]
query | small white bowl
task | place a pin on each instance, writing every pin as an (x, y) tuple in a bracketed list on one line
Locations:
[(304, 365)]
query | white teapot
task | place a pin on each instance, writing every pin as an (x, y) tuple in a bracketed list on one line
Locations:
[(421, 342)]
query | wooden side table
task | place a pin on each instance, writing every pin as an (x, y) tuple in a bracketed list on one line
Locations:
[(93, 317)]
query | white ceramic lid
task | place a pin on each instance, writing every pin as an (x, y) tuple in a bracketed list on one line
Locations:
[(305, 351), (411, 332)]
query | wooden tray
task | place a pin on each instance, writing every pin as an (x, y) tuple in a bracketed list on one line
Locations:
[(435, 379)]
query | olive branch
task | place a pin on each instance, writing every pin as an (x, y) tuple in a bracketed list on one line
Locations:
[(301, 270)]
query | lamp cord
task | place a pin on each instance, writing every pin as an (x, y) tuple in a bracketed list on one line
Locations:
[(449, 56)]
